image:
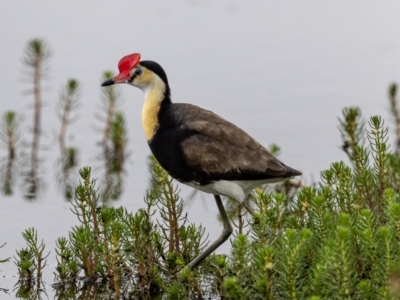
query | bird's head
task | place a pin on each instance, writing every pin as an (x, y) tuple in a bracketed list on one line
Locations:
[(142, 74)]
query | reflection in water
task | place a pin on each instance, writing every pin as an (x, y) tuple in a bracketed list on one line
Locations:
[(69, 101), (30, 289), (9, 135), (87, 291), (113, 143), (36, 57), (3, 261), (35, 290)]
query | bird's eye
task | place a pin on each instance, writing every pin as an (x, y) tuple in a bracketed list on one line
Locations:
[(138, 71)]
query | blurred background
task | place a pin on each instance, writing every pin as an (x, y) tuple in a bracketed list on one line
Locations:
[(282, 71)]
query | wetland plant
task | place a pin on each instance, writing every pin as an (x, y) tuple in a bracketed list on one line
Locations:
[(36, 57), (9, 135), (395, 114), (30, 262), (69, 101), (333, 241), (336, 240), (113, 142)]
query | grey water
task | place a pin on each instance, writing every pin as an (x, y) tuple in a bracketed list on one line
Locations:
[(280, 70)]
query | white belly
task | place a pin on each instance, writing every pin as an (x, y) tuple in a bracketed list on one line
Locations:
[(237, 189)]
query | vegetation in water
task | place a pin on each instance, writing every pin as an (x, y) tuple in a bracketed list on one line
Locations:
[(9, 135), (25, 159), (337, 239), (113, 143), (36, 58), (68, 161)]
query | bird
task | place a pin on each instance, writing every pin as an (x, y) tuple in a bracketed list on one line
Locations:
[(198, 147)]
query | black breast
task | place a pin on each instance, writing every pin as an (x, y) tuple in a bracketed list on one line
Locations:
[(166, 143)]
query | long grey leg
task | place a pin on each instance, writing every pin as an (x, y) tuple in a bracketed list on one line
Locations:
[(248, 207), (226, 232)]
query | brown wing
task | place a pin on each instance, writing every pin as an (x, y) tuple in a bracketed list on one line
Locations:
[(221, 150)]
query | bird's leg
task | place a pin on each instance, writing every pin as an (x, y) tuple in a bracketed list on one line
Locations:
[(226, 232), (248, 207)]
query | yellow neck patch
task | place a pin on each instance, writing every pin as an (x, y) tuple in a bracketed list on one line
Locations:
[(152, 102)]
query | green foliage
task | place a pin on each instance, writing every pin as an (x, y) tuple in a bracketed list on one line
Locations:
[(130, 252), (36, 57), (9, 135), (116, 156), (338, 240), (351, 129), (31, 260), (114, 142), (69, 101), (395, 114), (118, 138), (36, 52), (67, 268), (274, 149)]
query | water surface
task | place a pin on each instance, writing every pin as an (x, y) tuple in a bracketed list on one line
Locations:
[(281, 71)]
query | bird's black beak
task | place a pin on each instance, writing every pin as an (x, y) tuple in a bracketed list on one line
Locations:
[(122, 77), (108, 82)]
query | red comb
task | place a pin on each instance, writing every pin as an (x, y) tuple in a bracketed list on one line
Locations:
[(128, 62)]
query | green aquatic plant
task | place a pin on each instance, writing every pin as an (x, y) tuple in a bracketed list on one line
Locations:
[(36, 57), (10, 137), (30, 261), (337, 240), (68, 161), (113, 143), (395, 114)]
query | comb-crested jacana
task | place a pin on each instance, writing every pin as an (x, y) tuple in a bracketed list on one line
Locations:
[(196, 146)]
